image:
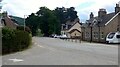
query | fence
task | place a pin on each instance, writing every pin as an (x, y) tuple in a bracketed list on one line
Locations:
[(73, 39)]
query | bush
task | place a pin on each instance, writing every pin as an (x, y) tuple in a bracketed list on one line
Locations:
[(39, 33), (22, 28), (14, 40)]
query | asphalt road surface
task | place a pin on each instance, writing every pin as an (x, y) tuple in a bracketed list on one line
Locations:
[(51, 51)]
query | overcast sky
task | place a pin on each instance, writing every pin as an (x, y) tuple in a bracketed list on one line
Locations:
[(83, 7)]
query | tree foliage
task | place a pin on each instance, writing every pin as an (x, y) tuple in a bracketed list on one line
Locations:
[(49, 21), (32, 23)]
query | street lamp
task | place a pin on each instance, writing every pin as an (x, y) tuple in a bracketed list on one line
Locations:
[(90, 24), (24, 22)]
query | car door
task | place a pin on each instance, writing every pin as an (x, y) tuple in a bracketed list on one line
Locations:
[(118, 38)]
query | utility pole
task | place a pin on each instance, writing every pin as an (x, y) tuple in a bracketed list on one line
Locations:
[(90, 32), (24, 22)]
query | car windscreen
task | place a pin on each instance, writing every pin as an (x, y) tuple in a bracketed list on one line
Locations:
[(111, 35), (117, 36)]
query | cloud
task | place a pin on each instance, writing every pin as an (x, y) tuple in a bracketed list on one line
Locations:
[(97, 4), (83, 7)]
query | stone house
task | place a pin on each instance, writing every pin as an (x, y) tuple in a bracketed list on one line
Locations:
[(71, 29), (96, 28)]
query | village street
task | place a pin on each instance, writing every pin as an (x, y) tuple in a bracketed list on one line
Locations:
[(51, 51)]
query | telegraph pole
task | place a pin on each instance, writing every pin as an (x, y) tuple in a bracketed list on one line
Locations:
[(24, 22)]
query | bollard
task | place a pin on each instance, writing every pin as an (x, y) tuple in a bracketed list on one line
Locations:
[(80, 40), (76, 40)]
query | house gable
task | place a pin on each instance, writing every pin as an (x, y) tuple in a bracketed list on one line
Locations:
[(77, 26), (74, 31)]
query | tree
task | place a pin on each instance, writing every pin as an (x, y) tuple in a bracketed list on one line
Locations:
[(71, 14), (49, 21), (45, 20), (60, 13), (45, 23), (39, 33), (65, 14), (32, 23)]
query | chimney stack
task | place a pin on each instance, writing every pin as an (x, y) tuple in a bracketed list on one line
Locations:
[(117, 8), (102, 12), (5, 14), (91, 15)]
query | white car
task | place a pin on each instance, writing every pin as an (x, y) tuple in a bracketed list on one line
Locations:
[(63, 36), (113, 37), (56, 36)]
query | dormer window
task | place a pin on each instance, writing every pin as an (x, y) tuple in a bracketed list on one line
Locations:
[(94, 21)]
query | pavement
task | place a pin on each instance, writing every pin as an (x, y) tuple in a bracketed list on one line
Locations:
[(52, 51)]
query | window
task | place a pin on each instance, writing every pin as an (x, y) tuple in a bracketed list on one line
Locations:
[(97, 35), (102, 35), (94, 34), (75, 34), (111, 35), (69, 26), (64, 27), (117, 36), (87, 35)]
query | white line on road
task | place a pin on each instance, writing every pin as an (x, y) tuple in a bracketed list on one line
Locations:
[(16, 60), (52, 49), (40, 46)]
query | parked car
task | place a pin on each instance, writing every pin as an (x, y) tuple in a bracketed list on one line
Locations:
[(56, 36), (63, 36), (113, 37)]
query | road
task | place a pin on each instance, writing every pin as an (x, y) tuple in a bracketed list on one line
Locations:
[(51, 51)]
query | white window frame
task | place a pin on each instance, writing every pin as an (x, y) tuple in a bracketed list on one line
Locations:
[(102, 35)]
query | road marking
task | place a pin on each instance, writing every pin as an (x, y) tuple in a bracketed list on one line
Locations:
[(35, 43), (114, 62), (16, 60), (40, 46)]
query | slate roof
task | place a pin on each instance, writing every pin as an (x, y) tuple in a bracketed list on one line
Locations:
[(72, 22), (8, 22), (101, 21), (84, 25), (106, 18)]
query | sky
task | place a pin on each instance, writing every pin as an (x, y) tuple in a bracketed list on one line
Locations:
[(83, 7)]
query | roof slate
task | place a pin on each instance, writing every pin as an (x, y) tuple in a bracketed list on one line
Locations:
[(101, 21)]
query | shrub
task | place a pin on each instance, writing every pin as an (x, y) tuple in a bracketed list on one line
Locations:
[(39, 33), (14, 40), (22, 28)]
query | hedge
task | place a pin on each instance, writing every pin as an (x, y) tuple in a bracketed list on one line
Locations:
[(22, 28), (14, 40)]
